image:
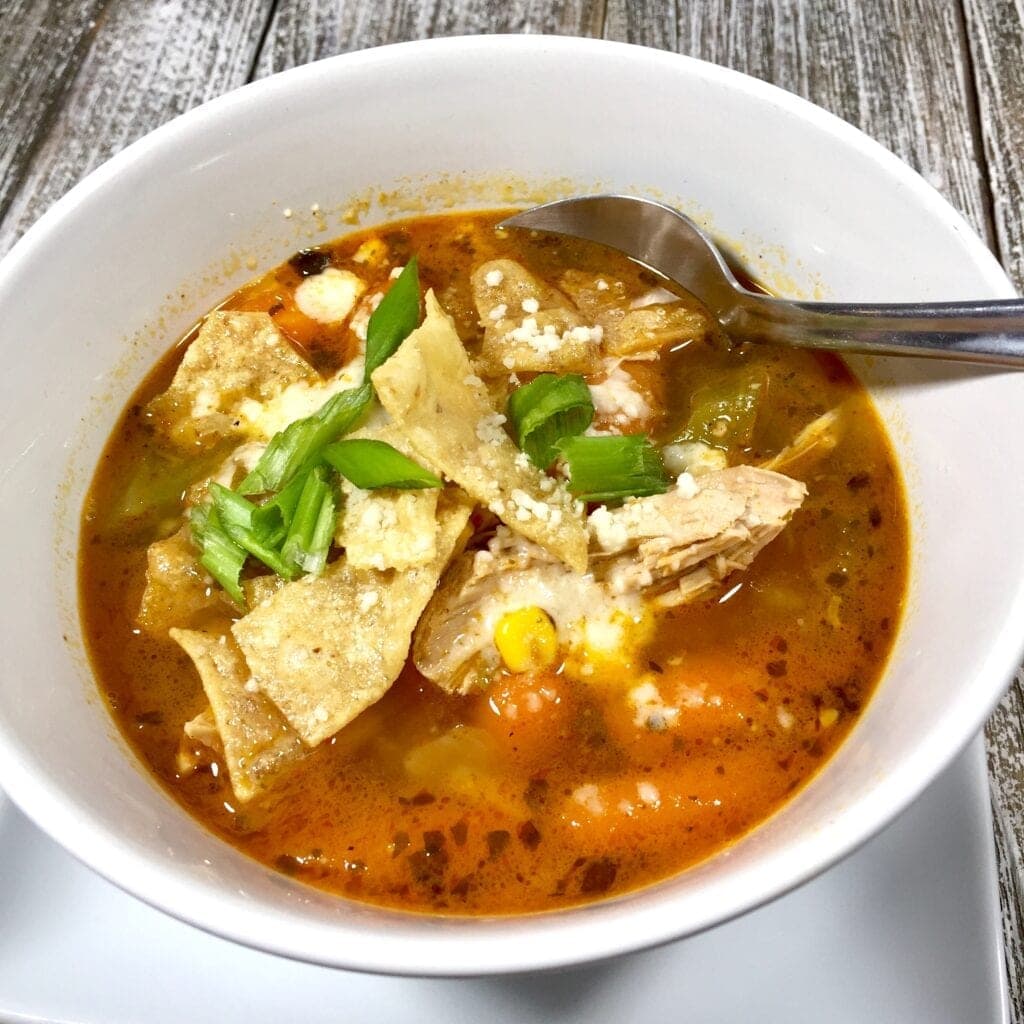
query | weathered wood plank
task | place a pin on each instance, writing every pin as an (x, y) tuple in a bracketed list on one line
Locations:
[(995, 30), (1005, 736), (149, 63), (302, 31), (41, 45), (899, 71)]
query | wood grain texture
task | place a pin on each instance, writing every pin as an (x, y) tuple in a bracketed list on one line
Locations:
[(996, 33), (146, 63), (899, 71), (1005, 736), (41, 44), (305, 30)]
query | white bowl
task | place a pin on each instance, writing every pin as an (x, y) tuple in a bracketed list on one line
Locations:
[(120, 266)]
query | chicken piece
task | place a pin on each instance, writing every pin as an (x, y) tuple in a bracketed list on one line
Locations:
[(454, 640), (813, 443), (676, 546), (528, 325), (660, 551)]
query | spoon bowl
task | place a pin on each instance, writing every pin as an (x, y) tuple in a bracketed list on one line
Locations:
[(668, 242)]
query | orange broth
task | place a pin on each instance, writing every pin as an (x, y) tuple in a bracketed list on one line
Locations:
[(569, 800)]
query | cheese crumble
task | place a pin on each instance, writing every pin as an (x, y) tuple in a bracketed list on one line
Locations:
[(329, 297)]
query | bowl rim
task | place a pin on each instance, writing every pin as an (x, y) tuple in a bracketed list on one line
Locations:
[(103, 851)]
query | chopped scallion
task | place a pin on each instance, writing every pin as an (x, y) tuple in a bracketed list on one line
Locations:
[(394, 319), (219, 554), (369, 464), (236, 515), (298, 446), (545, 411), (613, 468), (270, 521), (312, 527)]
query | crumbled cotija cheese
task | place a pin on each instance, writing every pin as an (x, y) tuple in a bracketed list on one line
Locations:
[(607, 530), (330, 296), (489, 429), (547, 340), (687, 486), (493, 278), (651, 710), (617, 397), (589, 796)]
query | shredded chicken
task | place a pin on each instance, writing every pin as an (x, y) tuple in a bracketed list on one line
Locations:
[(812, 444), (665, 550)]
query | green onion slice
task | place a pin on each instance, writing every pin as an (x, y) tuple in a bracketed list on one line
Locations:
[(613, 468), (370, 464), (394, 319), (545, 411), (312, 527), (236, 515), (298, 446), (219, 554), (270, 521)]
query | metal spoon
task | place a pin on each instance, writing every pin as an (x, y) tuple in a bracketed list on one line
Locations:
[(666, 241)]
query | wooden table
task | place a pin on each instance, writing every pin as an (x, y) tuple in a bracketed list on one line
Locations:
[(939, 82)]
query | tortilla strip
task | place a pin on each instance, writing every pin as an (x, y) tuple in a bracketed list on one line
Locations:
[(519, 299), (258, 744), (429, 390), (236, 356), (179, 591), (387, 528), (325, 648)]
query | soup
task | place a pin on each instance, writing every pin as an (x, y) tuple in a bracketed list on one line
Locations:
[(534, 598)]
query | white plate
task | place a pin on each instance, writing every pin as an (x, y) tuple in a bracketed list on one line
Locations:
[(907, 930)]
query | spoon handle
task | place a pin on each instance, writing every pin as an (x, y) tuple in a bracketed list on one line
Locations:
[(977, 332)]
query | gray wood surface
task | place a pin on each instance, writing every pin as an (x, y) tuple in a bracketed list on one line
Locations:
[(940, 82)]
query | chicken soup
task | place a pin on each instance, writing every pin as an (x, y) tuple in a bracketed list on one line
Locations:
[(465, 571)]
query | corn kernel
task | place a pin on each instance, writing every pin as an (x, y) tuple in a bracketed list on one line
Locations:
[(526, 640), (828, 717)]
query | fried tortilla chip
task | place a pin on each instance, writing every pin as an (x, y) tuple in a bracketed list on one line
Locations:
[(528, 325), (179, 591), (325, 648), (235, 357), (387, 528), (257, 742), (429, 390), (258, 589)]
